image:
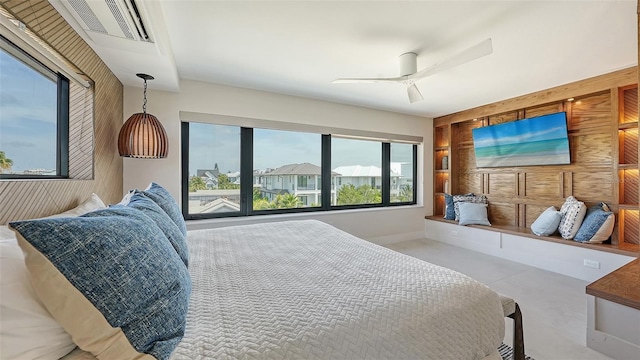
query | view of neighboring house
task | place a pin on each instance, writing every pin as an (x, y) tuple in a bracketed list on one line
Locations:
[(302, 180), (214, 201), (405, 170), (210, 177), (359, 175)]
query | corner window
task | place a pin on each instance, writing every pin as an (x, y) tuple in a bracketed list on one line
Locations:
[(34, 126)]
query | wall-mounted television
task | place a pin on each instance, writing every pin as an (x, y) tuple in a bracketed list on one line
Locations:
[(539, 140)]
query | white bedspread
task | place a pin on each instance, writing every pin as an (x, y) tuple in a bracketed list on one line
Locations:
[(303, 289)]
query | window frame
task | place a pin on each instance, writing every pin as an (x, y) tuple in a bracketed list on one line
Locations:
[(246, 178), (62, 111)]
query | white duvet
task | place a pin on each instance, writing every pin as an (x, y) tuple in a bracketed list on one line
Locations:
[(306, 290)]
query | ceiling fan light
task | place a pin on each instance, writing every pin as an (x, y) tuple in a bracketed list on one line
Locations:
[(408, 63), (414, 94)]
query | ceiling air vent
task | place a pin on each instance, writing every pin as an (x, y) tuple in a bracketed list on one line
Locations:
[(119, 18)]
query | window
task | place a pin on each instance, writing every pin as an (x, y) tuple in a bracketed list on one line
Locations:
[(292, 160), (358, 166), (34, 126), (214, 169), (230, 170), (402, 173)]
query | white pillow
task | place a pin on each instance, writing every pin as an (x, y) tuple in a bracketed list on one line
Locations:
[(547, 223), (27, 330)]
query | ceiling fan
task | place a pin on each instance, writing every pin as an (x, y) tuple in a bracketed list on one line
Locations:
[(409, 74)]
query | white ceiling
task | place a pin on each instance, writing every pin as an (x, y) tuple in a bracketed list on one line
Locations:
[(299, 47)]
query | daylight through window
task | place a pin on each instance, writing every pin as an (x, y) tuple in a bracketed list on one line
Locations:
[(34, 126), (229, 170)]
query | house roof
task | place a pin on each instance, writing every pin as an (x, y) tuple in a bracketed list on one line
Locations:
[(296, 169), (359, 170)]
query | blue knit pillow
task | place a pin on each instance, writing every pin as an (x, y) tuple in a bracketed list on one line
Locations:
[(597, 225), (164, 199), (148, 207), (449, 203), (111, 279), (449, 212)]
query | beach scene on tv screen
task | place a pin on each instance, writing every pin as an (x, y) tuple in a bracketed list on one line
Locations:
[(536, 141)]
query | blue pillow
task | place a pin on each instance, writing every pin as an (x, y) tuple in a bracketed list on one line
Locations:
[(547, 223), (164, 199), (449, 205), (449, 212), (597, 225), (111, 279), (473, 214), (164, 222)]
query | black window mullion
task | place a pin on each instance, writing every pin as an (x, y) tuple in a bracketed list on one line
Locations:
[(325, 166), (386, 174), (184, 150), (246, 171), (415, 174), (62, 157)]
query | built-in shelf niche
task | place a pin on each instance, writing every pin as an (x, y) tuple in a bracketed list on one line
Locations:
[(628, 139), (600, 169), (629, 225)]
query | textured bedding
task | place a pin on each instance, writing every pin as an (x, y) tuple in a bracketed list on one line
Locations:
[(306, 290)]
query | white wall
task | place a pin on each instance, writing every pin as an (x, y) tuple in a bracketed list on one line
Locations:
[(202, 97)]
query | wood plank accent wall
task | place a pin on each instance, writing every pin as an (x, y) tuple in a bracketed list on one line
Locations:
[(602, 121), (21, 199)]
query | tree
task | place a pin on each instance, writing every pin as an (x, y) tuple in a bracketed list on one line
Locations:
[(350, 194), (287, 201), (196, 183), (406, 194), (263, 204), (257, 195), (224, 183), (5, 162)]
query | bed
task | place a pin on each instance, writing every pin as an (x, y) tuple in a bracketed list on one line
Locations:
[(306, 290)]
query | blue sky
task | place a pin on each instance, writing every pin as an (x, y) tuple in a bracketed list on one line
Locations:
[(27, 115), (553, 126), (211, 144)]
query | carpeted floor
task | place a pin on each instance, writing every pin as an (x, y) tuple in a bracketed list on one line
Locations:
[(506, 352)]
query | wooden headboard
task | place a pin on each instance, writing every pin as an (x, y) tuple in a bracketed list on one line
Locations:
[(22, 199)]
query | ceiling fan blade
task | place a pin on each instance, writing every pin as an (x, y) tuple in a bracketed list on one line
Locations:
[(477, 51), (369, 80), (414, 94)]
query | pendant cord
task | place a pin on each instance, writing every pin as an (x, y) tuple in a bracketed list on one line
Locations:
[(144, 103)]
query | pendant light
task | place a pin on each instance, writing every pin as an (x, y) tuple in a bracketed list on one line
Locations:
[(142, 135)]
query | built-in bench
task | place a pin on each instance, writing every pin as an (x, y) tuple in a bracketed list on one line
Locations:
[(622, 249), (587, 262)]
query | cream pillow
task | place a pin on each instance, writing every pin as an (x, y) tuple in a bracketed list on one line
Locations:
[(572, 212), (27, 330)]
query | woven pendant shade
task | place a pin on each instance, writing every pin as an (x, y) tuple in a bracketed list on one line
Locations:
[(142, 136)]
